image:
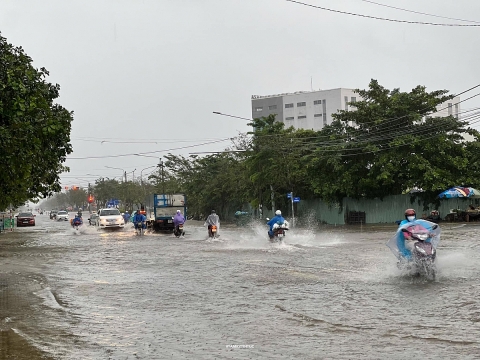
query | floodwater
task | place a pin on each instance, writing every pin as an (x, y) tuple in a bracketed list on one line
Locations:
[(329, 293)]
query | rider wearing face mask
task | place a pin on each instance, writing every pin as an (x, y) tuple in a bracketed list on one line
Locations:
[(403, 242)]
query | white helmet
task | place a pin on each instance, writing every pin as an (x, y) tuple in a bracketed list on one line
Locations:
[(178, 211), (278, 212)]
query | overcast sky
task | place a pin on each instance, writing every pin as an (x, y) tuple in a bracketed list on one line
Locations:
[(155, 70)]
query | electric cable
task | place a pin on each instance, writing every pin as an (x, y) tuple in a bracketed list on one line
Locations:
[(420, 13), (382, 18), (148, 152)]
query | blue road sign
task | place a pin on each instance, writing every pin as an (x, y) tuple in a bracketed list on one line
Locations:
[(113, 202), (296, 199), (289, 195)]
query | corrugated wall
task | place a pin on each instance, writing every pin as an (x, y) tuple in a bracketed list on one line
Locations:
[(376, 211)]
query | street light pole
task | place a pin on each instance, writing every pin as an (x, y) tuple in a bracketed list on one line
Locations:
[(141, 176), (124, 172), (160, 165)]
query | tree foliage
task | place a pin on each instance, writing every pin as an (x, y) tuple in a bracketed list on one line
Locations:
[(391, 143), (34, 130)]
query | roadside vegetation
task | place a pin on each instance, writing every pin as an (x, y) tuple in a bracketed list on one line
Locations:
[(34, 130), (391, 144)]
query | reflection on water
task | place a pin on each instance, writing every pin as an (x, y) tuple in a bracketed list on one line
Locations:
[(329, 293)]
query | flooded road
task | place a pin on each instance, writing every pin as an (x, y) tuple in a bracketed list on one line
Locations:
[(330, 293)]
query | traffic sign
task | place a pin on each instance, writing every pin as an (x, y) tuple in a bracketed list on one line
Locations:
[(289, 195), (296, 199)]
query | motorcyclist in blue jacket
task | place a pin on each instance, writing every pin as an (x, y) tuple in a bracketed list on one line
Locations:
[(410, 215), (139, 219), (77, 220), (277, 219)]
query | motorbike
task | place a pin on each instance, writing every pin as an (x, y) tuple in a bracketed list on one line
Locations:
[(279, 232), (76, 224), (179, 231), (140, 228), (422, 240), (212, 232)]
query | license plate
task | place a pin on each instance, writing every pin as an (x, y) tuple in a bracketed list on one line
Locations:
[(170, 221), (25, 221)]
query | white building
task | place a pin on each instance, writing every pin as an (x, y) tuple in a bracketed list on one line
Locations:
[(314, 109), (304, 109)]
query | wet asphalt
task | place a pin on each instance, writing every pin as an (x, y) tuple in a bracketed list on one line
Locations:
[(326, 293)]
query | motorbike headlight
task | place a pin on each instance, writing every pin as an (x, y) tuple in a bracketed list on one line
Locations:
[(421, 250), (433, 250), (422, 237)]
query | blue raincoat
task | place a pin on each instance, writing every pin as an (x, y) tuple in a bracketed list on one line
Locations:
[(277, 219)]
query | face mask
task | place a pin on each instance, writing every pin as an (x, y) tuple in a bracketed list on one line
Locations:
[(410, 218)]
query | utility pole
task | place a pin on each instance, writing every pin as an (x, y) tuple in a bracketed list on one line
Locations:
[(272, 198), (293, 214), (125, 176), (161, 168), (89, 205)]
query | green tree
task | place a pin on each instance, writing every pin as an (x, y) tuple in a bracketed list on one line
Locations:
[(391, 143), (34, 131), (276, 162)]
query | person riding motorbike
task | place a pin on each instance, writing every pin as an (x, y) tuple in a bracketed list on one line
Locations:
[(212, 220), (178, 219), (277, 219), (139, 220), (126, 216), (77, 220), (404, 241)]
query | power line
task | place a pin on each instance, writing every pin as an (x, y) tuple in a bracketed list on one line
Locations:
[(420, 13), (169, 141), (381, 18), (149, 152)]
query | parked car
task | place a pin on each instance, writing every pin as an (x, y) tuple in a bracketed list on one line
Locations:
[(25, 219), (110, 218), (62, 215), (53, 213), (93, 220)]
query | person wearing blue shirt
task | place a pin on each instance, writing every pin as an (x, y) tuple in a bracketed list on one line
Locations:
[(277, 219), (410, 215), (139, 218), (126, 216), (77, 220)]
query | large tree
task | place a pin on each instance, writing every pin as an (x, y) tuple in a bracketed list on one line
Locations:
[(393, 142), (34, 130)]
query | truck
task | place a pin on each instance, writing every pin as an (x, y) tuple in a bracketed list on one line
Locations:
[(165, 207)]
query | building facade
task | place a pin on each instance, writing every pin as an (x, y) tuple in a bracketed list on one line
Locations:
[(314, 109), (304, 109)]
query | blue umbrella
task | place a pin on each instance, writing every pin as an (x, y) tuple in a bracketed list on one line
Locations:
[(457, 192)]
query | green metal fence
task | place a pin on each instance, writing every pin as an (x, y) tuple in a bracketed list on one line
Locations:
[(388, 210)]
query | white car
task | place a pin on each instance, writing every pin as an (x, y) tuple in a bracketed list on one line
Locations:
[(110, 218), (62, 215)]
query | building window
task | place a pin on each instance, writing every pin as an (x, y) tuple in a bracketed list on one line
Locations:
[(272, 107), (317, 115), (302, 117), (288, 106), (354, 99), (456, 111), (317, 102), (289, 118), (449, 108), (301, 104), (324, 108), (346, 103), (259, 109)]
